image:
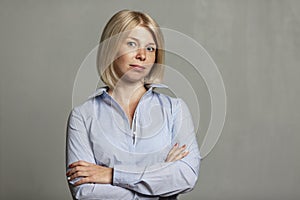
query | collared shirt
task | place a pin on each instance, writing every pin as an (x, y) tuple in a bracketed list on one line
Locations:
[(99, 132)]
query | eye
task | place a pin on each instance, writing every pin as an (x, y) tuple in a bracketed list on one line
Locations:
[(131, 44), (150, 49)]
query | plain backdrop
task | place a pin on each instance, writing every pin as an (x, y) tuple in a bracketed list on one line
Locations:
[(255, 45)]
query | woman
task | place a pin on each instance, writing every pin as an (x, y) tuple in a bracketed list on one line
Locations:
[(128, 141)]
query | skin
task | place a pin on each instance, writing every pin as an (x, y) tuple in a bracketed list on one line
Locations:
[(137, 49)]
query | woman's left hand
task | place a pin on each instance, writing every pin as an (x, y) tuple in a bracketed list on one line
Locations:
[(177, 153), (90, 173)]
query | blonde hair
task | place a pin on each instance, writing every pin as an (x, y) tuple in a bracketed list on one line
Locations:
[(124, 21)]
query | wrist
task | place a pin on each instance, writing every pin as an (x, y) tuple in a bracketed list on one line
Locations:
[(110, 175)]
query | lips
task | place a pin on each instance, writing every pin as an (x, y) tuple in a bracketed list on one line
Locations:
[(137, 66)]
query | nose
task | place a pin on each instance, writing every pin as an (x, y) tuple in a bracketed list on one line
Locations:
[(141, 54)]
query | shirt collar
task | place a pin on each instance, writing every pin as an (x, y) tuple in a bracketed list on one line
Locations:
[(104, 88)]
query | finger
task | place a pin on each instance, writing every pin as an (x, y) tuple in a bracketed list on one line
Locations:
[(76, 169), (79, 174), (185, 153), (181, 155), (171, 152), (176, 153), (79, 163), (173, 149), (82, 181), (173, 155)]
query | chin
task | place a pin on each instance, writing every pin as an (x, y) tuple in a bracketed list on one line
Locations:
[(130, 79)]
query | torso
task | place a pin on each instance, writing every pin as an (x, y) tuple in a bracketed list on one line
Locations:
[(111, 137)]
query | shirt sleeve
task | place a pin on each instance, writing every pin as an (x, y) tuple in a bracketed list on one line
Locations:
[(78, 148), (171, 178)]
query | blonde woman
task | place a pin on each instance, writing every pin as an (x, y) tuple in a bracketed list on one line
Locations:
[(128, 141)]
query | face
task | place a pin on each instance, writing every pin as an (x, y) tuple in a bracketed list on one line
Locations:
[(136, 55)]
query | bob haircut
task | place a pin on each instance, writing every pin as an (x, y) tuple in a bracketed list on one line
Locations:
[(117, 28)]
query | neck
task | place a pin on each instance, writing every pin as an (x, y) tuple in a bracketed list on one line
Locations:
[(126, 93)]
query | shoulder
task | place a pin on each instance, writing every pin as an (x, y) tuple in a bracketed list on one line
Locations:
[(175, 104), (86, 108)]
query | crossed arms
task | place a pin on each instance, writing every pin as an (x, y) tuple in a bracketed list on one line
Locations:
[(178, 174)]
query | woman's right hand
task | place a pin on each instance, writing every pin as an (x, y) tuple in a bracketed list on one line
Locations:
[(176, 153)]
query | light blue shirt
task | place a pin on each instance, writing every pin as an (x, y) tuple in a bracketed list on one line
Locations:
[(99, 132)]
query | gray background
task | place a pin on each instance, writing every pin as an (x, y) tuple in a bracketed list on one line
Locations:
[(255, 44)]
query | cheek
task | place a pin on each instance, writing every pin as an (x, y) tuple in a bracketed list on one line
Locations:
[(123, 59), (119, 65), (151, 58)]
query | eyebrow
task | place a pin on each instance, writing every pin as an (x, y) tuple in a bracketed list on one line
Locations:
[(138, 40)]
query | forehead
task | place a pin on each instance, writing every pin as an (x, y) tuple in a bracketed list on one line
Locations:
[(142, 34)]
